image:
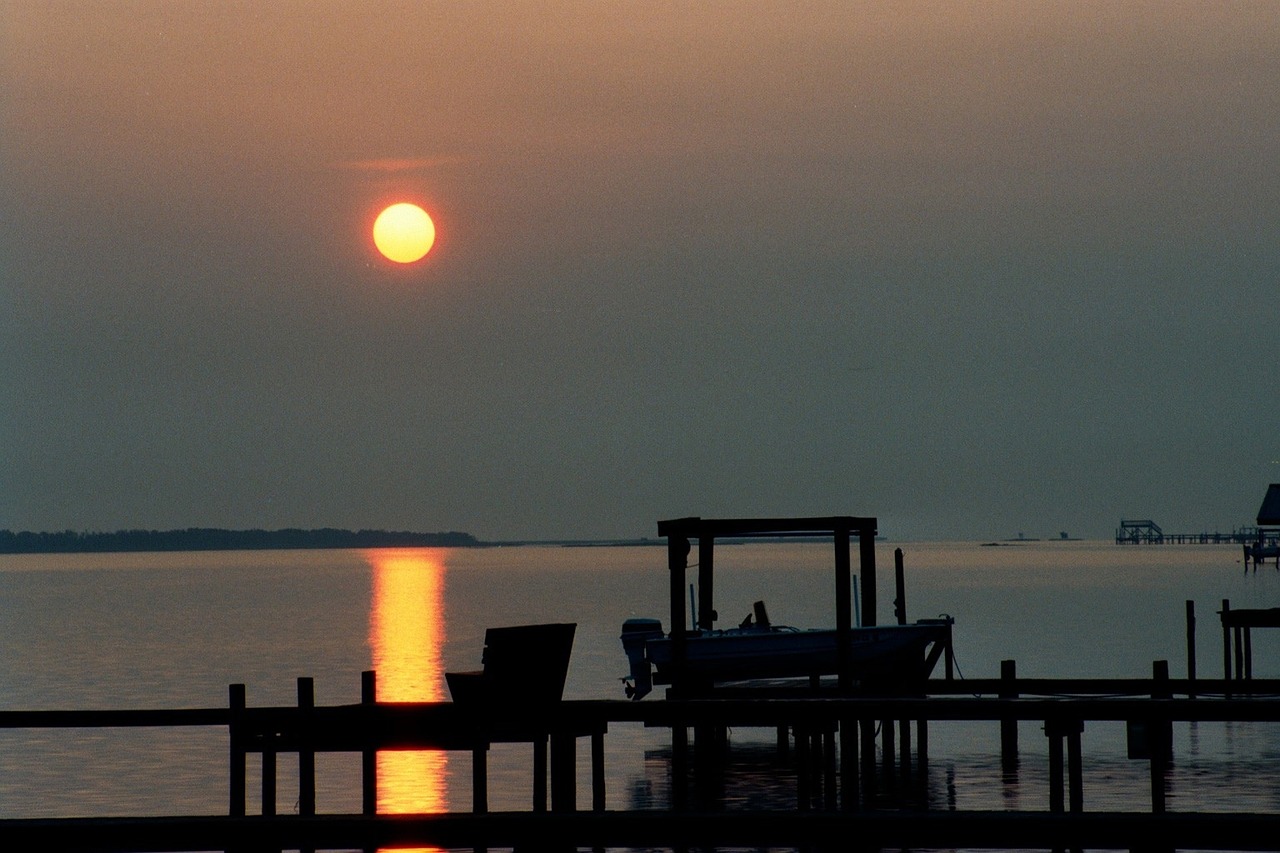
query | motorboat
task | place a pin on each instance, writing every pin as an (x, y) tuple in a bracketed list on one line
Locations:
[(759, 650)]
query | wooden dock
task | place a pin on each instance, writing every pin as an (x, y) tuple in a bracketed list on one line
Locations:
[(865, 752)]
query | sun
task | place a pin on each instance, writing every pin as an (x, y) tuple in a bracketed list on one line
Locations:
[(404, 233)]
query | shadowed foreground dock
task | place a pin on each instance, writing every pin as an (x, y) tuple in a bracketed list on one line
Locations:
[(848, 799), (757, 829)]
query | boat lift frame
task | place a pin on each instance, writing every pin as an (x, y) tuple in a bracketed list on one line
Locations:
[(679, 533)]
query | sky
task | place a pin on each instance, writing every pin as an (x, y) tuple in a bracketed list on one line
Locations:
[(974, 269)]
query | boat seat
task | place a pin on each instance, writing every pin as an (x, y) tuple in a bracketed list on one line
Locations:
[(522, 663), (762, 615)]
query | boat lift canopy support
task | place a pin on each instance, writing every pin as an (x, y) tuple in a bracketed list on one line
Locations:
[(680, 533)]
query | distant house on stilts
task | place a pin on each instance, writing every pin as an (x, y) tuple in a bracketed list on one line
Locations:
[(1268, 541)]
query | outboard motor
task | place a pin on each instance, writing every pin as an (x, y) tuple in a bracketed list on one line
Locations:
[(635, 634)]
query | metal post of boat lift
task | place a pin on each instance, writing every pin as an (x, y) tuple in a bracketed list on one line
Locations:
[(867, 556), (677, 562), (706, 583), (844, 609), (900, 584)]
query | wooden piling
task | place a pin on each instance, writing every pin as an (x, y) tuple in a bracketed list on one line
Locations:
[(306, 751), (236, 736), (888, 747), (268, 779), (900, 585), (922, 753), (480, 778), (848, 730), (597, 772), (829, 786), (904, 752), (564, 753), (1226, 645), (679, 766), (867, 748), (1191, 648), (369, 757), (1160, 737), (1075, 767), (1008, 725), (803, 791), (1238, 632), (1056, 799), (540, 745)]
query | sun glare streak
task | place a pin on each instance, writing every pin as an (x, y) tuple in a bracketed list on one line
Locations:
[(406, 637)]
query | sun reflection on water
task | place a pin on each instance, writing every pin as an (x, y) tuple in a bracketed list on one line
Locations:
[(406, 637)]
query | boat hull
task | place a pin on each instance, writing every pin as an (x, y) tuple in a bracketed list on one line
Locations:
[(898, 653)]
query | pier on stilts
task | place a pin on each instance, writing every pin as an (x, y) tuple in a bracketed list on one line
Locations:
[(841, 784)]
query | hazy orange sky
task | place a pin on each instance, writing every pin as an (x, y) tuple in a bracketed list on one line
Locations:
[(972, 268)]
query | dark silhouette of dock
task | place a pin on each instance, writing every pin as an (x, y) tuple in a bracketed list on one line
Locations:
[(861, 766)]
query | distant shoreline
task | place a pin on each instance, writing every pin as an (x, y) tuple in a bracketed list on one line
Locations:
[(216, 539)]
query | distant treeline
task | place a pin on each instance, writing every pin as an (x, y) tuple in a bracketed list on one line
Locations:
[(211, 539)]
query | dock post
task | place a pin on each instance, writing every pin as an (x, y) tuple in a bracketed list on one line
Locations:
[(597, 771), (868, 755), (1161, 736), (904, 752), (1072, 794), (803, 768), (480, 778), (1226, 646), (829, 786), (1075, 766), (236, 737), (540, 773), (679, 766), (1008, 724), (268, 779), (306, 750), (848, 764), (369, 757), (899, 601), (888, 758), (1238, 631), (1056, 798), (1191, 649), (922, 757), (564, 759), (1248, 653)]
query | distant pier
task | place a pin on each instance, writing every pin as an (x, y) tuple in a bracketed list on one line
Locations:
[(1147, 532)]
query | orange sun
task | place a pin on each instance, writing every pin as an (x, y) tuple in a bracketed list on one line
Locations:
[(404, 233)]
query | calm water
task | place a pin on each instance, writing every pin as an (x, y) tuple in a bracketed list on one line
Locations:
[(173, 630)]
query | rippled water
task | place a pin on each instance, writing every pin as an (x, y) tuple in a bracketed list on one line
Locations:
[(173, 630)]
